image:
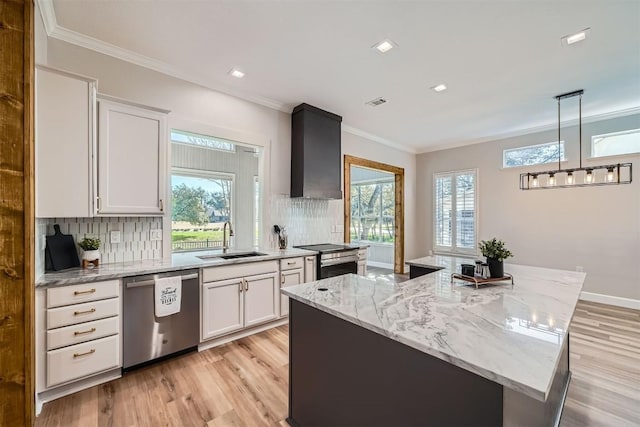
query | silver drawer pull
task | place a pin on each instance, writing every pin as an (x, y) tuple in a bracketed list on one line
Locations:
[(291, 263), (90, 291), (77, 313), (84, 332), (93, 350)]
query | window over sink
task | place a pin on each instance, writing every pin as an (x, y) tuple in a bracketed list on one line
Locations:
[(213, 180)]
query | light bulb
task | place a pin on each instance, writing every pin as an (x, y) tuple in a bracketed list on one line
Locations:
[(610, 175), (552, 180), (534, 183), (589, 177), (570, 178)]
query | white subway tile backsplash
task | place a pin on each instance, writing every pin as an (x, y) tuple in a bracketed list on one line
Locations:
[(135, 245)]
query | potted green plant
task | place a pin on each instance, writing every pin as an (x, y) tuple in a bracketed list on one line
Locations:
[(90, 246), (496, 253)]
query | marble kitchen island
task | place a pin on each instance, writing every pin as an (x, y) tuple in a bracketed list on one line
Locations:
[(427, 352)]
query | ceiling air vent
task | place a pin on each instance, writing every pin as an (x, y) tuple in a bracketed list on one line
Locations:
[(376, 102)]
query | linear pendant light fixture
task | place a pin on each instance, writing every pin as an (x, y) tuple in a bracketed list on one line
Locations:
[(587, 176)]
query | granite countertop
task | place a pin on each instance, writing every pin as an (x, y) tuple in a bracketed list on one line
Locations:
[(178, 261), (512, 335)]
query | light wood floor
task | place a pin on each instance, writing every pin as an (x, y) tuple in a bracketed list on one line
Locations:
[(244, 383)]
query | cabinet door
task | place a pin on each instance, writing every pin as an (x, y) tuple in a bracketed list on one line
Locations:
[(289, 278), (260, 303), (131, 160), (309, 269), (362, 268), (64, 137), (222, 307)]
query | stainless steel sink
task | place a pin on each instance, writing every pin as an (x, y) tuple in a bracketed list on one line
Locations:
[(233, 255)]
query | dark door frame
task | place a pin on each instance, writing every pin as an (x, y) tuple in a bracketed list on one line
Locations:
[(398, 247)]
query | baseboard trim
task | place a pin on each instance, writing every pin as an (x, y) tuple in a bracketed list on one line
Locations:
[(215, 342), (379, 264), (611, 300)]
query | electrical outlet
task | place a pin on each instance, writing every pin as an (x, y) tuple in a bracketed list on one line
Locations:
[(115, 237), (580, 269), (155, 234)]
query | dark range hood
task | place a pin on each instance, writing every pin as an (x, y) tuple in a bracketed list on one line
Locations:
[(316, 153)]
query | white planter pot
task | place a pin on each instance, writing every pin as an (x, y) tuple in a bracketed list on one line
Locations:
[(91, 255)]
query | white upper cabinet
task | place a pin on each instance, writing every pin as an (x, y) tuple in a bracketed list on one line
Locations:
[(64, 139), (132, 145)]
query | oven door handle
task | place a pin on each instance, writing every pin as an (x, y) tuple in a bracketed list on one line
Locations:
[(337, 261)]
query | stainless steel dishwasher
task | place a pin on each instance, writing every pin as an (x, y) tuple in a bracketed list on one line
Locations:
[(147, 337)]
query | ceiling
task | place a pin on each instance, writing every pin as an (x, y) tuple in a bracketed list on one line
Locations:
[(502, 61)]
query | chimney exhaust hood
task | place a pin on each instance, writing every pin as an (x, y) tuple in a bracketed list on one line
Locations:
[(316, 153)]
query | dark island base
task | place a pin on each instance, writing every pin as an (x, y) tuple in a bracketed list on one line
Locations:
[(344, 375), (415, 271)]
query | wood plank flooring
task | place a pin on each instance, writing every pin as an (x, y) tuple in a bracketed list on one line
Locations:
[(244, 383)]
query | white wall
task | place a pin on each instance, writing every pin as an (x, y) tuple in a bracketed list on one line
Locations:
[(40, 48), (597, 228), (194, 103)]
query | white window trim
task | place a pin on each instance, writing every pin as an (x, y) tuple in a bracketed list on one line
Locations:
[(622, 132), (222, 150), (199, 173), (453, 250), (504, 155)]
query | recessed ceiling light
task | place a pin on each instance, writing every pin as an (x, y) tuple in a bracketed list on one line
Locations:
[(384, 46), (575, 38), (236, 73), (440, 87)]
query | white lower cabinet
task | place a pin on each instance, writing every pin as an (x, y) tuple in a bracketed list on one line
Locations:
[(78, 332), (289, 278), (80, 360), (362, 261), (222, 307), (233, 303), (309, 269)]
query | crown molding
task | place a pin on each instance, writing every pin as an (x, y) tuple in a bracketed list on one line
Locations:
[(375, 138), (56, 31), (527, 131)]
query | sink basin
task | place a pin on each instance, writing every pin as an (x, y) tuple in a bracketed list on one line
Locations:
[(233, 255)]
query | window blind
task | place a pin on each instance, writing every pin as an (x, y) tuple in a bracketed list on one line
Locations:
[(455, 207)]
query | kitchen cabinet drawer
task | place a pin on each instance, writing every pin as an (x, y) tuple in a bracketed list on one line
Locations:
[(81, 360), (79, 313), (74, 294), (362, 253), (240, 270), (82, 332), (291, 263)]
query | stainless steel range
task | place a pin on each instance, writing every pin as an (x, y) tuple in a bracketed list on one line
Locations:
[(334, 260)]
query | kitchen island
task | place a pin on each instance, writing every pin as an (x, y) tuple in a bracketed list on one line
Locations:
[(428, 352)]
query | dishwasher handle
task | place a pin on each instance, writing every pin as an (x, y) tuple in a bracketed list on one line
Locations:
[(150, 282)]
